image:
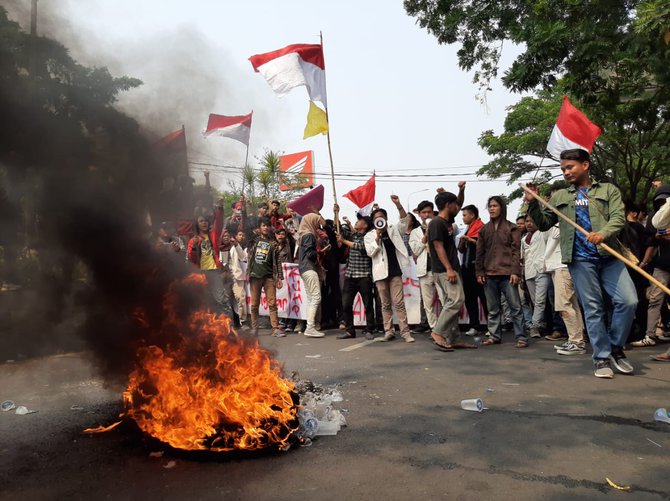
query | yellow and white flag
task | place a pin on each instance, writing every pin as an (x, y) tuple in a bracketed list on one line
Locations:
[(317, 123)]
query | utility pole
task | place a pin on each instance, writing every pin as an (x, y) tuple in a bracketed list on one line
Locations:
[(33, 18)]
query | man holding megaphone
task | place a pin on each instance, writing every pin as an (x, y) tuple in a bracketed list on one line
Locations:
[(389, 256)]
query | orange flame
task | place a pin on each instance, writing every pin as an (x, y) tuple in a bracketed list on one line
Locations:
[(211, 390), (103, 429)]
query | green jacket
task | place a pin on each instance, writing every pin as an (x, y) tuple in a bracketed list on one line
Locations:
[(606, 210)]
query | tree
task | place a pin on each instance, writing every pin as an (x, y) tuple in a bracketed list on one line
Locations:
[(631, 161), (609, 56)]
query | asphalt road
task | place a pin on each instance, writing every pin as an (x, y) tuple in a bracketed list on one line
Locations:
[(550, 431)]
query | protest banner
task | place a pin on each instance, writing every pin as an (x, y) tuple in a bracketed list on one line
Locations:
[(292, 299)]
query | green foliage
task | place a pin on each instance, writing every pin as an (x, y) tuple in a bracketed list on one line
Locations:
[(612, 57), (631, 153)]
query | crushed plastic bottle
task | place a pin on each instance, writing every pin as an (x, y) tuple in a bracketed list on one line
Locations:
[(661, 414), (7, 405)]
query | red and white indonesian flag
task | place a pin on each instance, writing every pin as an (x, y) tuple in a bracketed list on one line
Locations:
[(572, 131), (363, 196), (293, 66), (238, 127)]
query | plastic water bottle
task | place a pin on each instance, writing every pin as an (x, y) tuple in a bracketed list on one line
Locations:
[(662, 415)]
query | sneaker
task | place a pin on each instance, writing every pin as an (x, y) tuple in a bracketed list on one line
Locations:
[(312, 332), (646, 341), (556, 336), (665, 337), (535, 332), (571, 349), (389, 336), (618, 359), (299, 327), (562, 346), (420, 329), (471, 332), (408, 338), (288, 329), (369, 335), (278, 332), (603, 369)]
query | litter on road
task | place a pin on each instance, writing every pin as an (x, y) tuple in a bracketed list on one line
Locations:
[(7, 405), (22, 410)]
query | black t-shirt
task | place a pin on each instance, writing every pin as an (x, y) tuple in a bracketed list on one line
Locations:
[(442, 230), (394, 265)]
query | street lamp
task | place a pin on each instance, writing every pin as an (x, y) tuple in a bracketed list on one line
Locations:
[(410, 196)]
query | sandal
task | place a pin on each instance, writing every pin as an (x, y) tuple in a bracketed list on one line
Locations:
[(440, 342), (522, 343), (463, 345), (661, 357), (490, 341)]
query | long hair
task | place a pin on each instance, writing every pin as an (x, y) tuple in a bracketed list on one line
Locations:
[(502, 203)]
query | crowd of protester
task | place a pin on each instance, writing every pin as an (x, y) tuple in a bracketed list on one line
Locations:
[(537, 277)]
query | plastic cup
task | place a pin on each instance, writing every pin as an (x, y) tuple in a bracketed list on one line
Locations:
[(327, 428), (472, 404), (662, 415)]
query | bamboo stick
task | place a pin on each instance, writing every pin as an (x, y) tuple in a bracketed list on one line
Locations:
[(609, 249)]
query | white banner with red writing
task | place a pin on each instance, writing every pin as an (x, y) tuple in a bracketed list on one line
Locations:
[(292, 299)]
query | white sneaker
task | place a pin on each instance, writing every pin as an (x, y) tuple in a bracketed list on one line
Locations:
[(312, 332), (408, 338), (389, 336), (472, 332), (646, 341)]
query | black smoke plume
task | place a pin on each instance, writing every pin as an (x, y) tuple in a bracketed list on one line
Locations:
[(77, 180)]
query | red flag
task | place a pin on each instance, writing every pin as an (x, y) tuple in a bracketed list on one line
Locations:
[(312, 201), (237, 127), (363, 195), (173, 142), (170, 151), (572, 130)]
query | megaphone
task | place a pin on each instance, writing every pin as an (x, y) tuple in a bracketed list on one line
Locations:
[(379, 223)]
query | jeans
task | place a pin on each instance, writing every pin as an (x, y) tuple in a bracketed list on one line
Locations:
[(590, 278), (313, 290), (353, 286), (494, 287), (537, 289)]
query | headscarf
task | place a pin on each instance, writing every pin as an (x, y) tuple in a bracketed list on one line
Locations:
[(309, 224)]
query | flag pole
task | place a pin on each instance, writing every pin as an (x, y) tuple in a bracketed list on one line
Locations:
[(330, 151), (609, 249)]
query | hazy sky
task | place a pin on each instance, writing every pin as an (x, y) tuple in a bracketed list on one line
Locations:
[(398, 102)]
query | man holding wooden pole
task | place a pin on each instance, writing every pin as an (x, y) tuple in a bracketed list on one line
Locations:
[(598, 209)]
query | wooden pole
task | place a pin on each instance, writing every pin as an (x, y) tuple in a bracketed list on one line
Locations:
[(614, 253), (330, 151), (246, 160)]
